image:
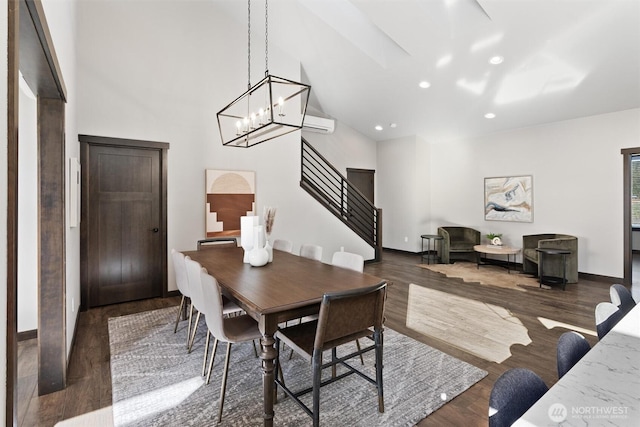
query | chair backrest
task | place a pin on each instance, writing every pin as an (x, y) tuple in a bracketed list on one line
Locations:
[(513, 393), (217, 242), (311, 251), (571, 347), (348, 260), (621, 298), (195, 284), (607, 316), (213, 304), (343, 314), (180, 271), (283, 245)]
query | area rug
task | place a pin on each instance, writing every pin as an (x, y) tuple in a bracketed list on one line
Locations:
[(492, 275), (482, 329), (156, 383)]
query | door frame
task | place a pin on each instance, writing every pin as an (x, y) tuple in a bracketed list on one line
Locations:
[(85, 142), (30, 51), (627, 232)]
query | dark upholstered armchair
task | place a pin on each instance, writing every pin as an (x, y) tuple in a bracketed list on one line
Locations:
[(457, 240), (553, 264)]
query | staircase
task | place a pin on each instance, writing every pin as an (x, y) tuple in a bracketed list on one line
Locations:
[(325, 184)]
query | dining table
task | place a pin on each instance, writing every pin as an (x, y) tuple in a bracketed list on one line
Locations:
[(289, 287), (602, 389)]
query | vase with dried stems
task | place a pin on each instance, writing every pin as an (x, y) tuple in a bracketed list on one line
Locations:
[(269, 215)]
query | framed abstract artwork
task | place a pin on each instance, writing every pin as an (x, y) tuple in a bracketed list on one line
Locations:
[(508, 198), (229, 196)]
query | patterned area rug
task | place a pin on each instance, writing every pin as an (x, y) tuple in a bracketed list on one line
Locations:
[(486, 275), (156, 383)]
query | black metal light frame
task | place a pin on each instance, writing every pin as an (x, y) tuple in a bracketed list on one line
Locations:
[(273, 107)]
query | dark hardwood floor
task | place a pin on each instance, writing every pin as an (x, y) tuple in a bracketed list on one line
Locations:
[(89, 380)]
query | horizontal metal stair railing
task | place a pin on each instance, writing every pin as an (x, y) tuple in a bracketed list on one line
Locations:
[(330, 188)]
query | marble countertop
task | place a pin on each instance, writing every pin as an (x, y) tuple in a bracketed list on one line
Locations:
[(602, 389)]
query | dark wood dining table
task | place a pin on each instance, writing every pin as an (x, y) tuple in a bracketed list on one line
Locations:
[(288, 288)]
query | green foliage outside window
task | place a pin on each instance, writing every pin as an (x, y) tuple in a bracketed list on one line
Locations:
[(635, 191)]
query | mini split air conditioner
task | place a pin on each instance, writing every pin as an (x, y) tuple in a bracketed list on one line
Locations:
[(318, 124)]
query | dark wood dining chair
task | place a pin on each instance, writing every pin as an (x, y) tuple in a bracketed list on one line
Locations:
[(217, 242), (344, 317)]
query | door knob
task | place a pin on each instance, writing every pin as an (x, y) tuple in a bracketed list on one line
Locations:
[(155, 230)]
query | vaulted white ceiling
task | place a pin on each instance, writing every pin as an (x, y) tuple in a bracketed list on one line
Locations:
[(365, 58)]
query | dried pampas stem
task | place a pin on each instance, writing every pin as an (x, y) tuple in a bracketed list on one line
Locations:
[(269, 215)]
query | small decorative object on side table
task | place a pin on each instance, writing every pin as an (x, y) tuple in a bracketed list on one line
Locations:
[(494, 239)]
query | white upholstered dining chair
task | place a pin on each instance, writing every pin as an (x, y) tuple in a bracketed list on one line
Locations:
[(311, 251), (283, 245), (231, 330), (182, 282)]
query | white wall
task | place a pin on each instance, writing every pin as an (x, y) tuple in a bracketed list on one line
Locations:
[(577, 183), (401, 190), (27, 211), (161, 73)]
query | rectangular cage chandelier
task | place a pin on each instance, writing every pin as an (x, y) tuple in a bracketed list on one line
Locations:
[(273, 107)]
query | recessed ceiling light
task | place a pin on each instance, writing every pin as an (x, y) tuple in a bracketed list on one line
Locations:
[(495, 60), (489, 116), (378, 127), (393, 125), (424, 84)]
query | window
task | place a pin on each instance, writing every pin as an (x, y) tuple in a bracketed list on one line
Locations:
[(635, 191)]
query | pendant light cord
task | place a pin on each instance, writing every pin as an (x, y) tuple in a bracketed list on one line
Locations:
[(249, 44), (266, 38)]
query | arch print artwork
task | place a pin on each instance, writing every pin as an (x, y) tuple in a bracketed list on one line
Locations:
[(229, 196), (508, 198)]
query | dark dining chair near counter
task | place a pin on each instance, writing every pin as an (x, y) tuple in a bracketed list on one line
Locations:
[(513, 393), (621, 298), (607, 316), (572, 346)]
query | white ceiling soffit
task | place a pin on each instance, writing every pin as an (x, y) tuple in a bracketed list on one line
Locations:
[(356, 28), (416, 24)]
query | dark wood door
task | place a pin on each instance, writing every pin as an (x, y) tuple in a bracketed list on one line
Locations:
[(362, 179), (124, 241), (362, 215)]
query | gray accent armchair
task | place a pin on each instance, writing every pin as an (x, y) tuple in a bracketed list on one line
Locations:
[(458, 241), (553, 265)]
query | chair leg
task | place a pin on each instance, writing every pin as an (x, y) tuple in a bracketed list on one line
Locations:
[(280, 372), (193, 333), (378, 343), (317, 377), (255, 351), (206, 351), (213, 356), (175, 329), (361, 358), (334, 356), (189, 325), (224, 382)]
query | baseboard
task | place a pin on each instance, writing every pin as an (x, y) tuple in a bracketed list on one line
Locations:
[(518, 266), (27, 335), (73, 341), (175, 293)]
